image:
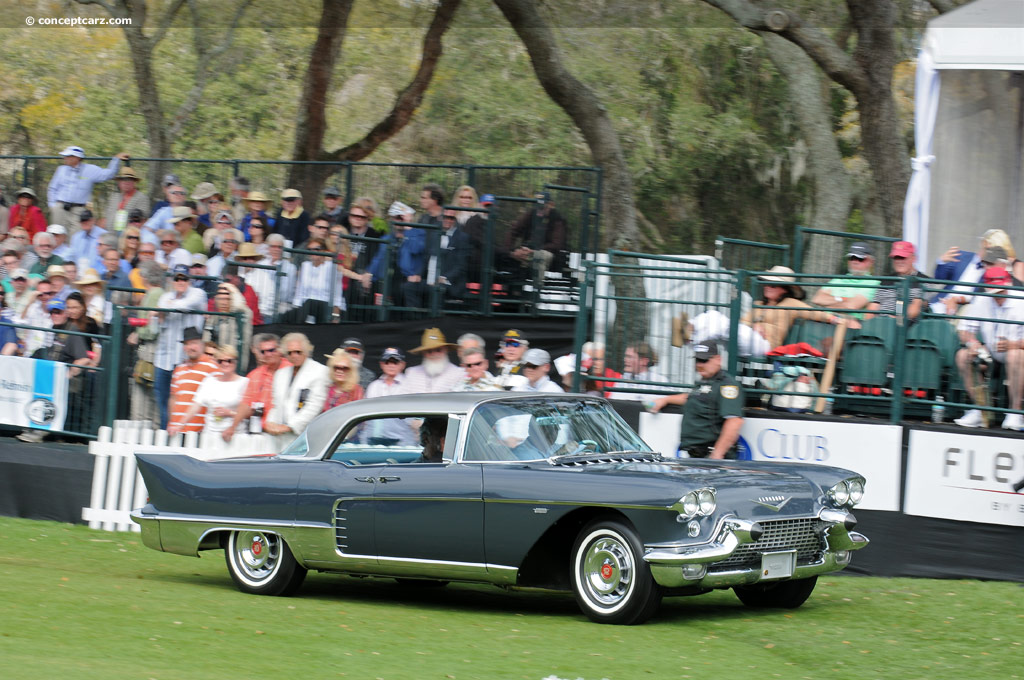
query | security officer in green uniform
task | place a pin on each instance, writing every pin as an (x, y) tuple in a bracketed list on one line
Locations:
[(712, 411)]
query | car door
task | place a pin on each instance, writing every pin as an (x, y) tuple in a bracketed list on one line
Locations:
[(340, 498), (430, 512)]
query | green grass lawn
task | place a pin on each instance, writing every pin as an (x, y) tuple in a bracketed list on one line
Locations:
[(88, 604)]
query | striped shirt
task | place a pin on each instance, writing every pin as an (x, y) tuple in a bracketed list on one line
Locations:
[(184, 382), (315, 284), (169, 352)]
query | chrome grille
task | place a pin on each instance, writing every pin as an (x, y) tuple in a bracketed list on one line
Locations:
[(802, 535), (340, 527)]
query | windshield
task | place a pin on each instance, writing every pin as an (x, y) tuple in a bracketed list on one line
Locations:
[(536, 429)]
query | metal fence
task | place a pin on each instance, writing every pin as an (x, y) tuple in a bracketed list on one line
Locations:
[(735, 253), (895, 365)]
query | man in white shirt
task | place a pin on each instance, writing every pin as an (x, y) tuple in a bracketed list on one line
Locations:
[(1003, 341), (71, 187), (171, 254), (180, 298), (536, 366), (389, 431), (436, 373)]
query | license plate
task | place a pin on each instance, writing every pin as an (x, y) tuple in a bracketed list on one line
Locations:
[(778, 565)]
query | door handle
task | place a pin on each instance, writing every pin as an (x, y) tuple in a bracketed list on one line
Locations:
[(365, 479), (385, 480)]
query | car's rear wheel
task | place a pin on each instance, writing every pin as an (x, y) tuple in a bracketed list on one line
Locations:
[(610, 579), (779, 595), (262, 564)]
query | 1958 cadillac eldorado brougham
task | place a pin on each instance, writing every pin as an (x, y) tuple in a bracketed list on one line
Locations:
[(548, 491)]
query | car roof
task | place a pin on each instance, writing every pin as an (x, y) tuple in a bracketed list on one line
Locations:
[(324, 427)]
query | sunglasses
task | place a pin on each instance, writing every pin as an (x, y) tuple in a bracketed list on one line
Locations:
[(231, 240), (131, 238), (177, 193), (164, 243), (898, 257), (512, 343), (530, 366), (473, 365), (42, 294), (225, 362), (181, 278), (354, 352), (356, 217), (392, 361), (56, 311), (343, 369), (272, 350), (858, 259), (289, 200), (295, 352), (702, 361)]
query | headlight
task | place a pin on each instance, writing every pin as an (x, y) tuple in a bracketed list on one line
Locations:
[(690, 504), (856, 487), (699, 503), (706, 498), (840, 494)]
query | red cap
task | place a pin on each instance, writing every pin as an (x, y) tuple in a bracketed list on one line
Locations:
[(902, 249), (997, 276)]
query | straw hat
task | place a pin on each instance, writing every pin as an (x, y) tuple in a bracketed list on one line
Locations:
[(247, 250), (258, 196), (784, 276), (205, 190), (90, 276), (56, 270), (127, 173), (432, 338)]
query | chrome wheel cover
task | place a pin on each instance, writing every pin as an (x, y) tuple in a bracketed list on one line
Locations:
[(256, 555), (605, 570)]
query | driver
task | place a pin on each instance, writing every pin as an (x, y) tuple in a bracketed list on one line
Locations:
[(432, 433)]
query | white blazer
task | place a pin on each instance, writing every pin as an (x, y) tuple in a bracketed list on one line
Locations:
[(311, 383)]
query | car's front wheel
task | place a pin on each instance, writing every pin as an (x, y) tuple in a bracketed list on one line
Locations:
[(779, 595), (261, 563), (610, 579)]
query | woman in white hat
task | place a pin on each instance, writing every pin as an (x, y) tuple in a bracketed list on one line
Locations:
[(91, 286), (780, 289)]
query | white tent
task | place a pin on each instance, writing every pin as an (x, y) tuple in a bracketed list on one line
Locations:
[(969, 130)]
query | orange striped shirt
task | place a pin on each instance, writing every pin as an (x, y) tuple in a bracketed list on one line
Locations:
[(184, 382)]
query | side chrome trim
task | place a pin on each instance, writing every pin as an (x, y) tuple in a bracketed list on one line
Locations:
[(173, 517)]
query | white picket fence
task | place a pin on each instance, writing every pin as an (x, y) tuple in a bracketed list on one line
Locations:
[(117, 486)]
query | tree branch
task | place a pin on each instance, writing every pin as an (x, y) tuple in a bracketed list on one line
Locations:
[(102, 4), (839, 66), (411, 97), (943, 6), (165, 21), (206, 58)]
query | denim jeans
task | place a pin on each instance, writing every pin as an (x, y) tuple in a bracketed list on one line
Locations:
[(162, 390)]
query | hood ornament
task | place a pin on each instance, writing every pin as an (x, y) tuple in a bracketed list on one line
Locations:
[(774, 503)]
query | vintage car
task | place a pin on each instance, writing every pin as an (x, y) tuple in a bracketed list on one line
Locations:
[(541, 491)]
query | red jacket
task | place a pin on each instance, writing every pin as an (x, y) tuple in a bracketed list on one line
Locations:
[(251, 299), (32, 219)]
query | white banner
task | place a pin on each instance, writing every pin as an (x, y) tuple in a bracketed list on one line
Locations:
[(965, 477), (869, 450), (33, 393)]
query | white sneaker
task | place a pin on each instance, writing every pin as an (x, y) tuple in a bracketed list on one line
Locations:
[(970, 419), (31, 436), (1013, 421)]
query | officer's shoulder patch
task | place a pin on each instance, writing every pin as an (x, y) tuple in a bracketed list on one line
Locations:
[(730, 391)]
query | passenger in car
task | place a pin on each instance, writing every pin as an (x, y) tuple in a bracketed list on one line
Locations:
[(432, 433)]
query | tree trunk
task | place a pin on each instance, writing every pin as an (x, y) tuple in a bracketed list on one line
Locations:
[(149, 104), (591, 117), (833, 193), (313, 105)]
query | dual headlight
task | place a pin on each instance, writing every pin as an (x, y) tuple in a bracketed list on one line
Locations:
[(847, 493), (699, 503)]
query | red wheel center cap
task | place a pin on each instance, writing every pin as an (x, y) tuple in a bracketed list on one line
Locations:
[(257, 547), (606, 571)]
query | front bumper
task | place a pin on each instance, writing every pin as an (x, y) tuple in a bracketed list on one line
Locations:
[(677, 566)]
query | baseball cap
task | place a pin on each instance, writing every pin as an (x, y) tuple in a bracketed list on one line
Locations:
[(180, 269), (536, 357), (544, 196), (85, 215), (332, 191), (56, 304), (997, 276), (19, 274), (902, 249), (487, 199), (170, 179), (136, 215), (352, 343), (515, 334), (861, 250), (198, 260), (392, 353), (56, 229), (706, 350), (291, 193), (73, 151), (399, 209)]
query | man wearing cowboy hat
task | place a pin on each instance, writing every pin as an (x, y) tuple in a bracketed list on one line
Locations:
[(184, 222), (712, 410), (436, 373), (121, 203), (210, 201), (70, 189)]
